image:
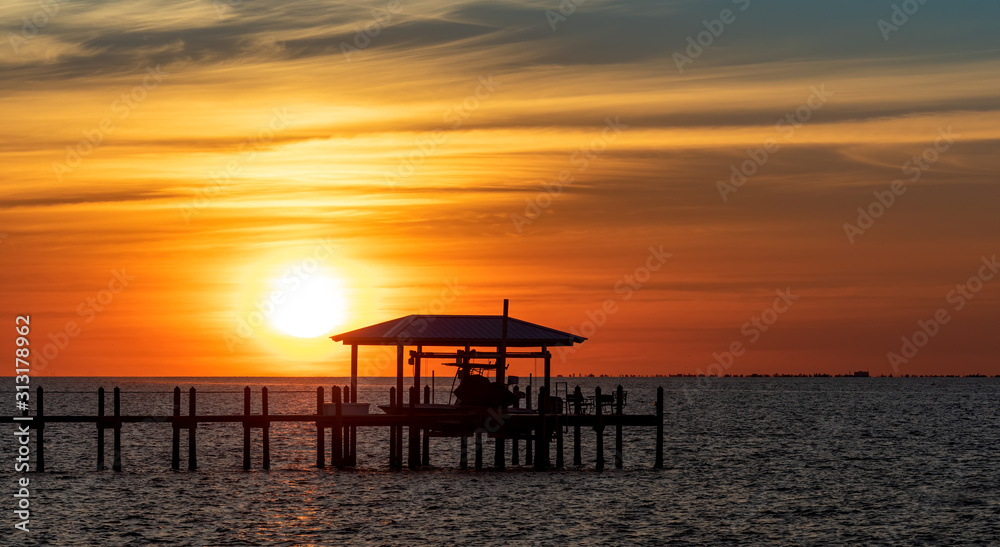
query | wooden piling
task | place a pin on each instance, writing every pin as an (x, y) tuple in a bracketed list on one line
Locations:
[(175, 444), (515, 449), (267, 429), (413, 454), (100, 429), (658, 464), (246, 428), (577, 409), (320, 433), (345, 459), (599, 428), (117, 463), (392, 430), (541, 433), (426, 458), (336, 433), (619, 396), (192, 429)]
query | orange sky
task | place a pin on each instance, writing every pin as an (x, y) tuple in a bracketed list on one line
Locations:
[(202, 151)]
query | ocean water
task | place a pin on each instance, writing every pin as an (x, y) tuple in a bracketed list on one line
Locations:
[(747, 461)]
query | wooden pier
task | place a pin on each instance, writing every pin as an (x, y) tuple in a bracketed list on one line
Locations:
[(539, 427)]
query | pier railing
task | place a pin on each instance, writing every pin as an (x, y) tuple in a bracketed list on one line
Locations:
[(536, 427)]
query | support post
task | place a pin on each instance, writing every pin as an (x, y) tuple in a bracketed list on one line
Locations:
[(393, 410), (320, 433), (39, 431), (426, 458), (192, 428), (577, 409), (117, 463), (100, 429), (346, 457), (499, 452), (354, 399), (336, 432), (413, 454), (599, 428), (175, 443), (246, 428), (658, 463), (619, 458), (266, 422), (541, 433)]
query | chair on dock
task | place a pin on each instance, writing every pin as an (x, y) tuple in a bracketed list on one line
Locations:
[(585, 403)]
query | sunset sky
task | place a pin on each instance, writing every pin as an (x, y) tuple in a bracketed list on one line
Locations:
[(165, 165)]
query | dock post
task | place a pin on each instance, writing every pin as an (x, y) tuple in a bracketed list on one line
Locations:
[(117, 464), (39, 431), (426, 458), (175, 444), (413, 452), (267, 428), (619, 459), (246, 428), (320, 436), (392, 429), (192, 429), (336, 433), (345, 459), (100, 429), (599, 428), (515, 448), (463, 462), (354, 429), (479, 450), (577, 409), (658, 464), (541, 433)]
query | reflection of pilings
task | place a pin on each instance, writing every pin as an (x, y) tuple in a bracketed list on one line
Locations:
[(246, 429), (267, 428)]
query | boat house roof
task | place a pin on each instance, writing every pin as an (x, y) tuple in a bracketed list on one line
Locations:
[(456, 330)]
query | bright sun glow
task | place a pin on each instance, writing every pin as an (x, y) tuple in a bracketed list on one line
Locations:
[(310, 307)]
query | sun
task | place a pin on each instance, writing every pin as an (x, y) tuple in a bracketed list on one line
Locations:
[(309, 307)]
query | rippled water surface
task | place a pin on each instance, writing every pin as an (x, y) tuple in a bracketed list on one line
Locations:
[(747, 460)]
